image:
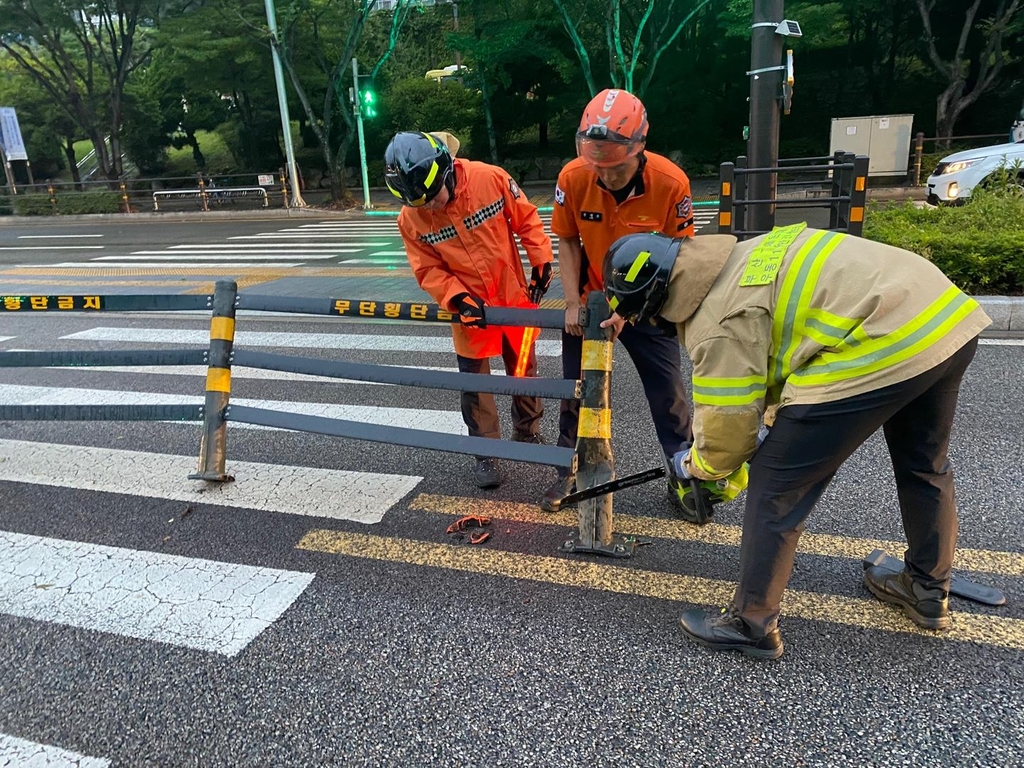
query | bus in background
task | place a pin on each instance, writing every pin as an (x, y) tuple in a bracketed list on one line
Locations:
[(451, 73)]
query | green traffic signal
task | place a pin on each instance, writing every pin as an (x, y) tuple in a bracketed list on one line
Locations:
[(368, 101)]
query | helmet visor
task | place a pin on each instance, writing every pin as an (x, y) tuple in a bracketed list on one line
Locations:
[(605, 153)]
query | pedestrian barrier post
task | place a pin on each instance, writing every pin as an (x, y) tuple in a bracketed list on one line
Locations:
[(213, 448), (726, 178), (202, 193), (595, 462), (858, 195)]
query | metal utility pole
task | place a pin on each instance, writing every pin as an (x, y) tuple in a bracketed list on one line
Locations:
[(455, 26), (766, 70), (358, 111), (282, 101)]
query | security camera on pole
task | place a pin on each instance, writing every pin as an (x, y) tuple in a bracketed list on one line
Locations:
[(767, 89)]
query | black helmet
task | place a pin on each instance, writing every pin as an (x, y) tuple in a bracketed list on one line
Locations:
[(636, 273), (416, 166)]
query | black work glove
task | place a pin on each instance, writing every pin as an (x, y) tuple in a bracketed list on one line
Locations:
[(471, 310), (540, 281)]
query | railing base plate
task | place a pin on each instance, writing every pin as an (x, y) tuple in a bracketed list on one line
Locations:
[(620, 546)]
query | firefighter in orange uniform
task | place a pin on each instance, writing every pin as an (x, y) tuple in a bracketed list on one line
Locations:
[(612, 189), (458, 222)]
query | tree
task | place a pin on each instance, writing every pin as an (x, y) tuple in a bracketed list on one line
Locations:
[(650, 29), (82, 55), (311, 27), (974, 62)]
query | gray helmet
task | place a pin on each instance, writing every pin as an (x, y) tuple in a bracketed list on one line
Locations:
[(416, 167), (636, 274)]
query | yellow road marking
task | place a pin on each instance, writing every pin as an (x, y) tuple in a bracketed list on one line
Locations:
[(123, 283), (989, 561), (869, 614)]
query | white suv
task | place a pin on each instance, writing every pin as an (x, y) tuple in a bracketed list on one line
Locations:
[(959, 173)]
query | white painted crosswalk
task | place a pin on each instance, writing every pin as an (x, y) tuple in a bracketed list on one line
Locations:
[(369, 242), (21, 753), (206, 605)]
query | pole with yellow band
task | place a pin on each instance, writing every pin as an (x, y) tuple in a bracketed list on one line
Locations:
[(594, 458), (213, 449)]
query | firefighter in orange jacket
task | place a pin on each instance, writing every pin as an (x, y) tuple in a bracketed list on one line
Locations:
[(458, 222)]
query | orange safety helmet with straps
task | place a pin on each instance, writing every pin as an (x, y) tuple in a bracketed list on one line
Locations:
[(612, 130)]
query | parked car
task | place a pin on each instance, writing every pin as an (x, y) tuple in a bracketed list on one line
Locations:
[(958, 174)]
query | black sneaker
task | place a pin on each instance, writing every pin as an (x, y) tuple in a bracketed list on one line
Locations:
[(928, 608), (562, 487), (486, 473), (519, 437), (725, 631)]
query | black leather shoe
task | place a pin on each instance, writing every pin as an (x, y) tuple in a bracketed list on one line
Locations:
[(562, 487), (928, 608), (486, 473), (725, 631), (519, 437)]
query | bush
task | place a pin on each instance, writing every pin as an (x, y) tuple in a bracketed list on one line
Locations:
[(6, 209), (980, 245), (69, 204)]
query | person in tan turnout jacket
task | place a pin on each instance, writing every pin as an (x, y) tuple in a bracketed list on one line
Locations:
[(825, 337)]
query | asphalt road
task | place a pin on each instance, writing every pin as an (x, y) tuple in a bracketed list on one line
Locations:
[(307, 615)]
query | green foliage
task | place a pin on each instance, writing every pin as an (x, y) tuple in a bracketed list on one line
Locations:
[(6, 209), (68, 204), (980, 245)]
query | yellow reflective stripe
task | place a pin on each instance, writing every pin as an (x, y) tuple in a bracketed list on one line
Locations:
[(595, 422), (702, 465), (218, 380), (726, 391), (795, 297), (597, 356), (432, 175), (222, 328), (826, 322), (395, 192), (432, 140), (928, 327), (613, 302), (638, 262)]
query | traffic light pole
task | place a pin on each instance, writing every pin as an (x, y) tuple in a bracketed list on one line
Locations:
[(282, 101), (765, 88), (359, 129)]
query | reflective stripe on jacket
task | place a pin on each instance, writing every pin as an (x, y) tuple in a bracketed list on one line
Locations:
[(827, 317), (468, 247)]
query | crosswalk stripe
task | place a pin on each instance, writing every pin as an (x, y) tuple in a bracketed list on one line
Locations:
[(183, 255), (659, 585), (7, 338), (389, 253), (52, 247), (21, 753), (373, 261), (339, 247), (262, 340), (1002, 342), (164, 265), (55, 237), (184, 601), (337, 494), (448, 422), (238, 372)]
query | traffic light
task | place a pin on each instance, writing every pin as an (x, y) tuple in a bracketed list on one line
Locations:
[(367, 97)]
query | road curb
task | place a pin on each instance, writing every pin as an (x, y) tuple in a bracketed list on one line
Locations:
[(1006, 312), (253, 213)]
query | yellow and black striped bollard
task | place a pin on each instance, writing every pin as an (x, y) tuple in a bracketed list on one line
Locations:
[(213, 449)]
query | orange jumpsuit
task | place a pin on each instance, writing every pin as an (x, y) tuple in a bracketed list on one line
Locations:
[(468, 247)]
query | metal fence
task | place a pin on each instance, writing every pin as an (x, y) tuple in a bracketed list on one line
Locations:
[(837, 182)]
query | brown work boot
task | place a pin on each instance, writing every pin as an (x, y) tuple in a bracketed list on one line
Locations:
[(520, 437), (562, 487), (928, 608)]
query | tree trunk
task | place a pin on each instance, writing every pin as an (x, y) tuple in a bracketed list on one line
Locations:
[(197, 155), (947, 110), (492, 137), (69, 153)]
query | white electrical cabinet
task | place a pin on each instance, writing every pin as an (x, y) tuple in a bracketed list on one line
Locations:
[(885, 139)]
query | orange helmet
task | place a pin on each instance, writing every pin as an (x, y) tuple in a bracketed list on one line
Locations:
[(613, 129)]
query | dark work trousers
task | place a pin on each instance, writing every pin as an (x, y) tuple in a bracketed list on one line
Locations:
[(807, 445), (655, 352), (478, 408)]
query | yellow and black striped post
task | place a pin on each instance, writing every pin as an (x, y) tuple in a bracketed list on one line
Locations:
[(595, 463), (726, 178), (858, 196), (213, 449)]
